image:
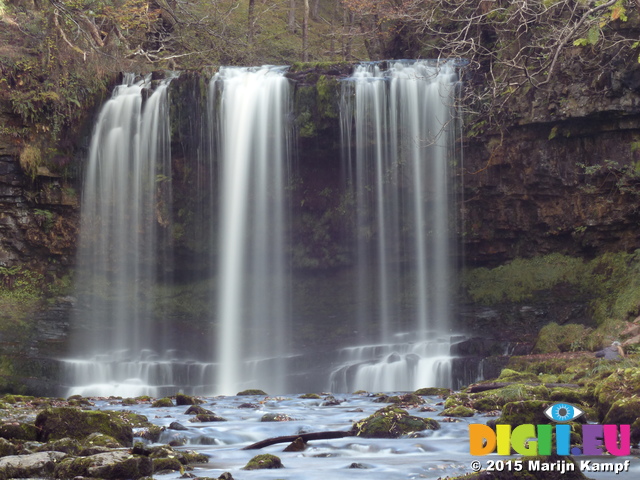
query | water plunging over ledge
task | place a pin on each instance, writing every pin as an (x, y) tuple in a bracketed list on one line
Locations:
[(401, 126), (398, 138)]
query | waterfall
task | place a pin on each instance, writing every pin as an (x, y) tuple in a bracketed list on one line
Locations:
[(252, 301), (226, 213), (399, 128), (124, 219)]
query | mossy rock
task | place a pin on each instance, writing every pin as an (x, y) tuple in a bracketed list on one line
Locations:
[(575, 396), (623, 383), (7, 448), (129, 401), (197, 410), (182, 399), (486, 404), (495, 399), (433, 392), (190, 457), (508, 375), (166, 464), (314, 396), (623, 412), (152, 433), (19, 431), (115, 465), (101, 440), (635, 432), (162, 402), (56, 423), (250, 392), (264, 461), (528, 411), (458, 411), (64, 445), (406, 399), (207, 417), (392, 422), (276, 417), (457, 399)]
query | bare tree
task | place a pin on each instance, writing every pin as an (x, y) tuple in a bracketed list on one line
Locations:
[(305, 32), (515, 44), (292, 16)]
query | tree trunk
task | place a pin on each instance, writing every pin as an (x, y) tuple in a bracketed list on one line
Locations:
[(304, 436), (251, 21), (292, 16), (305, 32)]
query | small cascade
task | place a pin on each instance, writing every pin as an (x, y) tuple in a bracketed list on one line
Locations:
[(252, 299), (124, 229), (399, 131), (394, 366)]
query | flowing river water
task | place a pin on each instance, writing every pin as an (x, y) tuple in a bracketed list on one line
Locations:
[(428, 454)]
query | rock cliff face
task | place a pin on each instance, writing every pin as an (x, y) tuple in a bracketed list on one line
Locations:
[(562, 175)]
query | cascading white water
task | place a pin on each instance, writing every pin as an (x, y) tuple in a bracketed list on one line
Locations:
[(400, 125), (398, 131), (252, 300), (125, 206)]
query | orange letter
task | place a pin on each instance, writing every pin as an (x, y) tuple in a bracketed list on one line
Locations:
[(479, 433)]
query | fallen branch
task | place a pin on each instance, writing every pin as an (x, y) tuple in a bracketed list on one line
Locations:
[(483, 387), (304, 436)]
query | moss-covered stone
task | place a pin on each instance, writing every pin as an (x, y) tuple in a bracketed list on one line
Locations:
[(191, 457), (109, 465), (433, 391), (458, 411), (207, 417), (151, 433), (569, 395), (623, 412), (7, 448), (528, 411), (19, 431), (276, 417), (406, 399), (265, 461), (101, 440), (623, 383), (165, 464), (197, 410), (182, 399), (314, 396), (508, 375), (392, 422), (65, 445), (56, 423), (162, 403), (252, 391)]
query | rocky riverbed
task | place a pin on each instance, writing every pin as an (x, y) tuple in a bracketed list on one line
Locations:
[(399, 435)]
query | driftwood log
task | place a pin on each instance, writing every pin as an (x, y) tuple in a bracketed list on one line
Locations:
[(483, 387), (304, 436)]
